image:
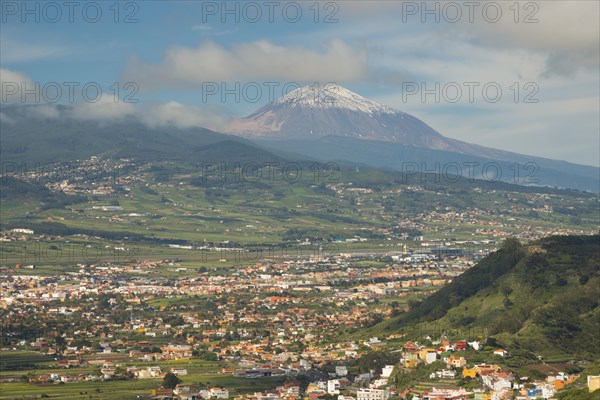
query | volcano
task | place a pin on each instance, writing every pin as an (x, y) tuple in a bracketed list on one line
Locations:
[(332, 122)]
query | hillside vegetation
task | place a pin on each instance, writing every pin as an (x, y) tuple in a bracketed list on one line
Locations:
[(35, 139), (539, 299)]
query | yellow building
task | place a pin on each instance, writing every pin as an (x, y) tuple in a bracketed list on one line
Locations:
[(456, 362), (560, 384), (593, 382), (470, 373), (428, 355)]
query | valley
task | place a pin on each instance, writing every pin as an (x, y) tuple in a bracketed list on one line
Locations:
[(281, 200), (267, 270)]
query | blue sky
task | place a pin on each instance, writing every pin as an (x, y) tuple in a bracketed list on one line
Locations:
[(542, 55)]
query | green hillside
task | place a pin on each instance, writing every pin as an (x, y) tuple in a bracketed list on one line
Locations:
[(35, 139), (540, 298), (13, 188)]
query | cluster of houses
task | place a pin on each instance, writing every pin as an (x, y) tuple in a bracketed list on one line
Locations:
[(288, 296), (191, 392), (495, 382), (375, 389), (486, 225), (95, 176)]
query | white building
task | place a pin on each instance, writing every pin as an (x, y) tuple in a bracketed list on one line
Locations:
[(179, 371), (372, 394), (23, 230), (386, 372), (363, 377), (500, 352), (341, 370), (547, 391), (474, 345), (374, 342), (150, 372), (218, 393), (377, 383), (443, 374), (333, 386)]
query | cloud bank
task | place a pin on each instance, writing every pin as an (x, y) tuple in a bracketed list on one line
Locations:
[(108, 108), (184, 67)]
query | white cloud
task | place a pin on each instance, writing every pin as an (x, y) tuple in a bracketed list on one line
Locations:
[(106, 108), (563, 129), (185, 67), (47, 111), (565, 33), (559, 54), (170, 114), (182, 116), (450, 60), (11, 83)]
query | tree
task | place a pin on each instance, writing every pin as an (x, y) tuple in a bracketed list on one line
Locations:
[(207, 355), (170, 381), (155, 349)]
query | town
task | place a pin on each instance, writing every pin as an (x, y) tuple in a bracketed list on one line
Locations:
[(298, 324), (256, 307)]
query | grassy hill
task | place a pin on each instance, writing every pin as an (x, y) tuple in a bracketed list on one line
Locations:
[(541, 298), (16, 189)]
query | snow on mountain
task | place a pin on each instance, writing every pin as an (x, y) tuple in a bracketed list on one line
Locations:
[(332, 96), (312, 112)]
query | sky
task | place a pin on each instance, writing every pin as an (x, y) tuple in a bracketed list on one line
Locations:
[(518, 76)]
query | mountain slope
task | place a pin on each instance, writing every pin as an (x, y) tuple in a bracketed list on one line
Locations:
[(405, 158), (331, 123), (27, 136), (333, 110), (326, 110), (541, 298)]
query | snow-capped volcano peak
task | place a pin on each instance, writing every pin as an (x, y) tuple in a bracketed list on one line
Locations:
[(330, 110), (331, 96)]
